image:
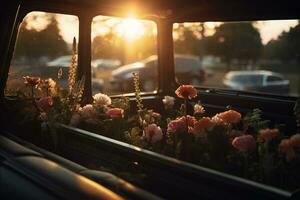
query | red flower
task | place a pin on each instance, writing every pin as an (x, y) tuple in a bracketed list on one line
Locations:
[(115, 113), (44, 103), (244, 143), (186, 91)]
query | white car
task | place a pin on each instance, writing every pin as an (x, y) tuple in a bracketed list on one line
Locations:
[(258, 81)]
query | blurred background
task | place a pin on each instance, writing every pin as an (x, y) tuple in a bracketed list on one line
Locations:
[(257, 56)]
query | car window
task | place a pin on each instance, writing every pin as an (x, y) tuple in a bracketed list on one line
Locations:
[(273, 78), (43, 48), (234, 54), (121, 46)]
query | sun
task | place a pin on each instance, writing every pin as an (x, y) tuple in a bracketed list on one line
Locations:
[(131, 29)]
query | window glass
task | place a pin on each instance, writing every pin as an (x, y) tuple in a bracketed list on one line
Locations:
[(121, 46), (43, 46), (273, 78), (237, 55)]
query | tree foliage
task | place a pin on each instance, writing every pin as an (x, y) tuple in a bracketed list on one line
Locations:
[(237, 41), (33, 44), (286, 47)]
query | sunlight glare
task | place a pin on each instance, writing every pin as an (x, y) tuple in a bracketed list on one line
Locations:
[(131, 29)]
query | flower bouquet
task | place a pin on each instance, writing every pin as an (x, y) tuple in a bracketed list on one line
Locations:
[(243, 145)]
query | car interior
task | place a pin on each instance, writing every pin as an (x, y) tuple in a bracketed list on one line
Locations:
[(81, 164)]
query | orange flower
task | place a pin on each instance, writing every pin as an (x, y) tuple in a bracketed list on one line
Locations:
[(203, 123), (31, 80), (268, 134), (186, 91), (285, 145), (230, 116), (295, 140)]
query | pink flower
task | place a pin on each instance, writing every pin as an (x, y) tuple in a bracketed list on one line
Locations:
[(102, 99), (88, 111), (153, 133), (286, 145), (191, 120), (244, 143), (230, 116), (115, 113), (44, 103), (177, 126), (268, 134), (186, 91), (169, 101), (295, 140)]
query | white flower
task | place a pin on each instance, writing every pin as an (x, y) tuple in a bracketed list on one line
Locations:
[(75, 119), (198, 108), (43, 116), (87, 110), (169, 101), (102, 99)]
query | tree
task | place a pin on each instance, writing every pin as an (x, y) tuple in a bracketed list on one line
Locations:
[(286, 47), (239, 41), (34, 44)]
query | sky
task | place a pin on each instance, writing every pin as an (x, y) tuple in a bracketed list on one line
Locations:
[(130, 28)]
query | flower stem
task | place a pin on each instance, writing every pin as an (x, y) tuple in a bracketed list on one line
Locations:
[(245, 155)]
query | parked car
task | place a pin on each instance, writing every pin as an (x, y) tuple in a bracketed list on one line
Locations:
[(187, 68), (258, 81), (63, 63), (105, 63)]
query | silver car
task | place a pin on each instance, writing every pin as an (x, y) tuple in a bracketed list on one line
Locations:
[(257, 81)]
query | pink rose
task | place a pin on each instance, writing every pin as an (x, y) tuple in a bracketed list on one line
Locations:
[(191, 120), (115, 113), (153, 133), (44, 103), (177, 125), (244, 143), (102, 99), (88, 111)]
